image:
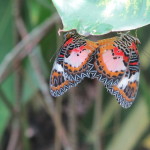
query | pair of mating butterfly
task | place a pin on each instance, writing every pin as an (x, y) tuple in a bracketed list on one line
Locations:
[(113, 61)]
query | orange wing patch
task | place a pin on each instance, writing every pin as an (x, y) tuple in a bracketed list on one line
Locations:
[(126, 90), (129, 92)]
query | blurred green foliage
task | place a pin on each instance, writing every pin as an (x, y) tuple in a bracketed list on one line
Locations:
[(7, 42), (100, 122)]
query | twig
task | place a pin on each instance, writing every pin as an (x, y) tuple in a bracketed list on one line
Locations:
[(57, 142), (31, 39), (18, 77), (97, 118), (14, 136), (72, 118)]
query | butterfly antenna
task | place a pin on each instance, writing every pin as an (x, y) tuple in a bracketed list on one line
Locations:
[(55, 54), (123, 33), (52, 57), (59, 31)]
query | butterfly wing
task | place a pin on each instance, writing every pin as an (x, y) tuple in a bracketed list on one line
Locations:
[(70, 66), (77, 57), (59, 83), (115, 63), (109, 62), (126, 90)]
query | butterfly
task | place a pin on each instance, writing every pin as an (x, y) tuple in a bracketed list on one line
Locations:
[(71, 64), (113, 61), (116, 64)]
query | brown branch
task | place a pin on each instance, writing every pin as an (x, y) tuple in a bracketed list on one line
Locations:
[(14, 135), (97, 118), (72, 118), (57, 140), (94, 136), (18, 5), (30, 40)]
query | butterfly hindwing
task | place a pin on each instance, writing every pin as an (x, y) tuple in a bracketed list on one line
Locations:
[(126, 90), (59, 84)]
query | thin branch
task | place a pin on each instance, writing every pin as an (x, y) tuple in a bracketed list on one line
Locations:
[(18, 5), (57, 141), (14, 136), (94, 136), (31, 39), (72, 118), (97, 118)]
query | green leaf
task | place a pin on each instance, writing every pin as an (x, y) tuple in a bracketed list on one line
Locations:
[(102, 16), (6, 44)]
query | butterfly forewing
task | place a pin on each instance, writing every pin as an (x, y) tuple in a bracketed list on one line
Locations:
[(77, 57), (109, 63), (59, 83)]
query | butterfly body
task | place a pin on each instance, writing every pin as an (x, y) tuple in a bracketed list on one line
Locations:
[(113, 61)]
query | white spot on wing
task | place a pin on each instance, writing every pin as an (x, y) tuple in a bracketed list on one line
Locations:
[(124, 82), (58, 67)]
